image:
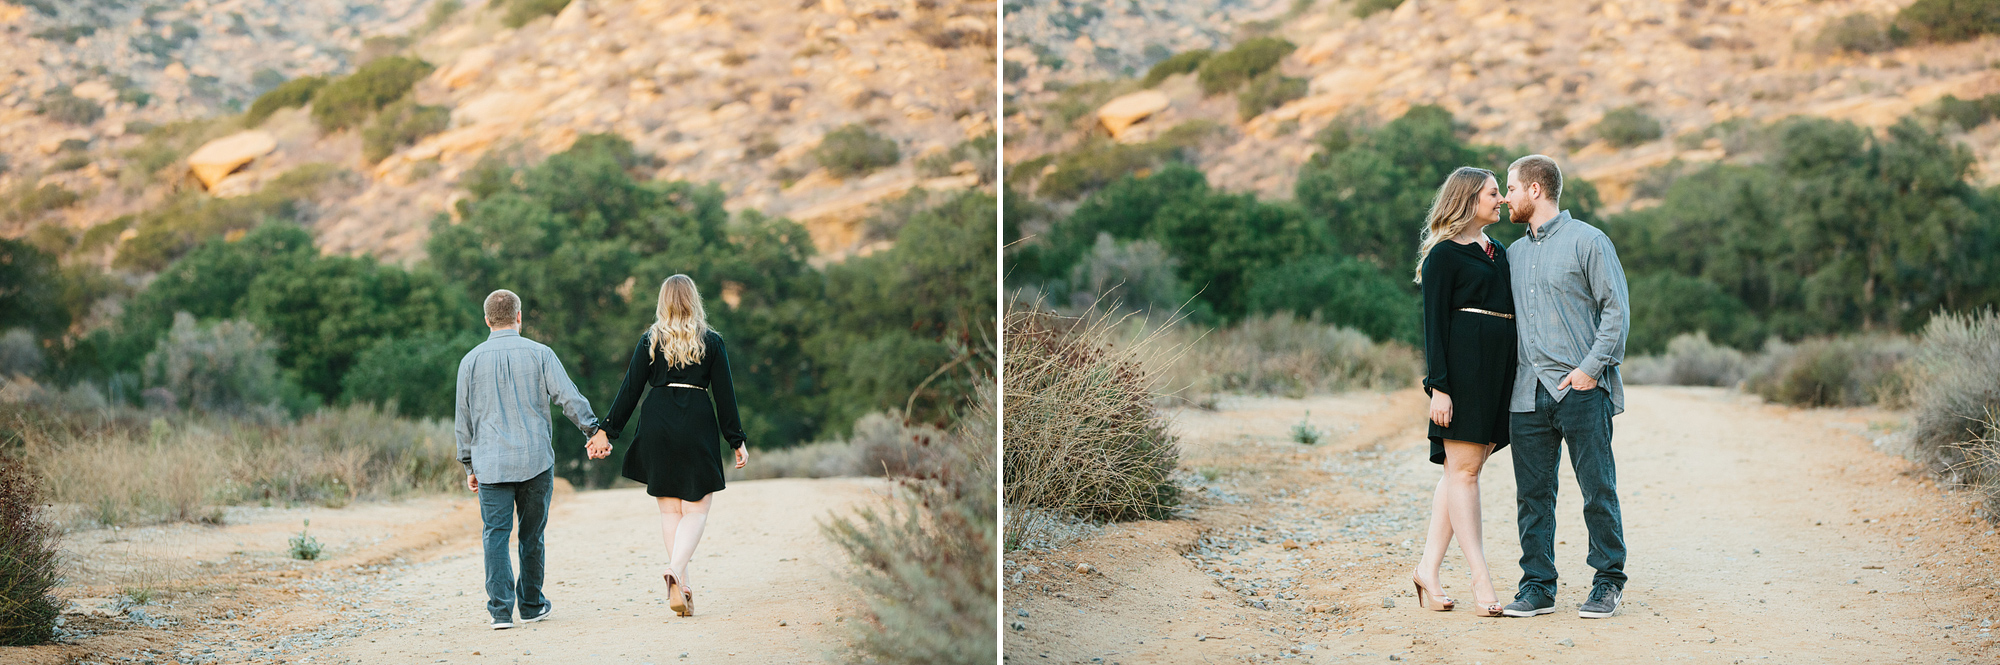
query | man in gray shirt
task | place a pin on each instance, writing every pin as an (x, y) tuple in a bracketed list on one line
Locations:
[(503, 429), (1572, 313)]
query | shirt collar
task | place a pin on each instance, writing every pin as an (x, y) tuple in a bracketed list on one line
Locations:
[(509, 332), (1549, 228)]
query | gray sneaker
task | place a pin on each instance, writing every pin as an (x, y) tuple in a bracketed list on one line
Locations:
[(1529, 605), (503, 624), (544, 615), (1603, 602)]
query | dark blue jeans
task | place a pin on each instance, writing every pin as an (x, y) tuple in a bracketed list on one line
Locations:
[(497, 504), (1584, 419)]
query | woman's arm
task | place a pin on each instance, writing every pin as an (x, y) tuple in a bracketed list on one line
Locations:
[(636, 373), (720, 385), (1437, 322)]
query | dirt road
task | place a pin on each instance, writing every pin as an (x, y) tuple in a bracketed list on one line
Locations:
[(1756, 534), (401, 582)]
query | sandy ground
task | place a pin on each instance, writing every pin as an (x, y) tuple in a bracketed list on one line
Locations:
[(1756, 534), (402, 582)]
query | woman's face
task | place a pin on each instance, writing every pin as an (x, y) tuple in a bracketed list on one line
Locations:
[(1486, 210)]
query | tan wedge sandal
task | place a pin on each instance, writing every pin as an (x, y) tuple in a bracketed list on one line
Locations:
[(1437, 604)]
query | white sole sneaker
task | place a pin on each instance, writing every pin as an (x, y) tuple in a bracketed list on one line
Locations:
[(1530, 613), (544, 615), (502, 625)]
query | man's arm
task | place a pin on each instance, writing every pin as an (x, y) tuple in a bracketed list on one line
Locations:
[(1614, 309), (462, 414), (556, 380)]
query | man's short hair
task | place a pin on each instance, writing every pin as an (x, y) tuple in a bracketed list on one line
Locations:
[(1540, 170), (501, 308)]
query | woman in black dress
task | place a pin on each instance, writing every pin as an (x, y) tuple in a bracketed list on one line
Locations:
[(692, 409), (1469, 349)]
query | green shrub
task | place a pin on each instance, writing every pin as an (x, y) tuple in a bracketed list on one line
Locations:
[(28, 201), (1228, 70), (1955, 397), (30, 559), (348, 101), (400, 124), (1367, 8), (1136, 274), (287, 95), (1268, 91), (1950, 20), (979, 151), (1628, 126), (1184, 62), (925, 562), (1282, 354), (1099, 161), (185, 221), (855, 150), (1342, 291), (1666, 305), (1859, 32), (520, 12), (70, 162), (62, 106), (1836, 371), (418, 374), (1083, 436), (226, 366), (1303, 431), (20, 354), (1968, 114), (304, 547), (440, 12), (66, 34)]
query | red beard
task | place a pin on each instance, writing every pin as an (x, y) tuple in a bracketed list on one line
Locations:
[(1520, 214)]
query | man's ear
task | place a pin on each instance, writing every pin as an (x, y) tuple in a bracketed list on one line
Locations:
[(1535, 191)]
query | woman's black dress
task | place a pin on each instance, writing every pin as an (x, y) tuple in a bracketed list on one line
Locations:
[(678, 451), (1470, 356)]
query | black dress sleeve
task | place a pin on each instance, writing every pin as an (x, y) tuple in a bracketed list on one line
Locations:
[(636, 373), (1437, 320), (724, 390)]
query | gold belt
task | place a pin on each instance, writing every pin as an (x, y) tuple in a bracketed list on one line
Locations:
[(1481, 311), (684, 385)]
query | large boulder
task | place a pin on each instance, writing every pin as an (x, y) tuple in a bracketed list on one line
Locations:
[(216, 159), (1121, 113)]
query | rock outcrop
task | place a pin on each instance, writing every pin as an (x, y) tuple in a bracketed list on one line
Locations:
[(216, 159)]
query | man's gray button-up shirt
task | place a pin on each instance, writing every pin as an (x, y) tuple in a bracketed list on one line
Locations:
[(502, 422), (1571, 310)]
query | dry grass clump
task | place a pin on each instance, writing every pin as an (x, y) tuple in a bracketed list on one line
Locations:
[(1955, 397), (882, 445), (1837, 371), (1282, 354), (29, 560), (926, 561), (1691, 360), (1082, 434), (124, 466)]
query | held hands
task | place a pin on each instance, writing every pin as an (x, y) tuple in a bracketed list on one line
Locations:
[(1578, 380), (742, 456), (1440, 408), (599, 446)]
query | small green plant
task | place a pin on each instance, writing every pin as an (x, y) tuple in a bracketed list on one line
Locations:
[(304, 546), (289, 94), (1950, 20), (1628, 126), (1179, 63), (62, 106), (140, 594), (348, 101), (1367, 8), (1968, 114), (1304, 432), (1266, 92), (28, 201), (1250, 59), (520, 12), (855, 150), (400, 124)]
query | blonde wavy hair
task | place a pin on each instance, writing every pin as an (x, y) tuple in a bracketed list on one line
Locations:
[(680, 325), (1451, 210)]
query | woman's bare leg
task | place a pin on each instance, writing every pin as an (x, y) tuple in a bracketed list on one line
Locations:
[(670, 522), (694, 516), (1436, 541), (1463, 461)]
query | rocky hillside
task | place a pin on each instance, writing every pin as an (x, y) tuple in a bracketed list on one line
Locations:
[(1537, 76), (734, 93)]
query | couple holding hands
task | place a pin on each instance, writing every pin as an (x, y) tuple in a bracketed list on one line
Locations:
[(503, 429), (1522, 347)]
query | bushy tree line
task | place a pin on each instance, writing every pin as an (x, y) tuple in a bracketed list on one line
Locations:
[(1831, 229), (586, 245)]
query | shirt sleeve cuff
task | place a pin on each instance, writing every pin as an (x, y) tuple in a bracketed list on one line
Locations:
[(1593, 367)]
